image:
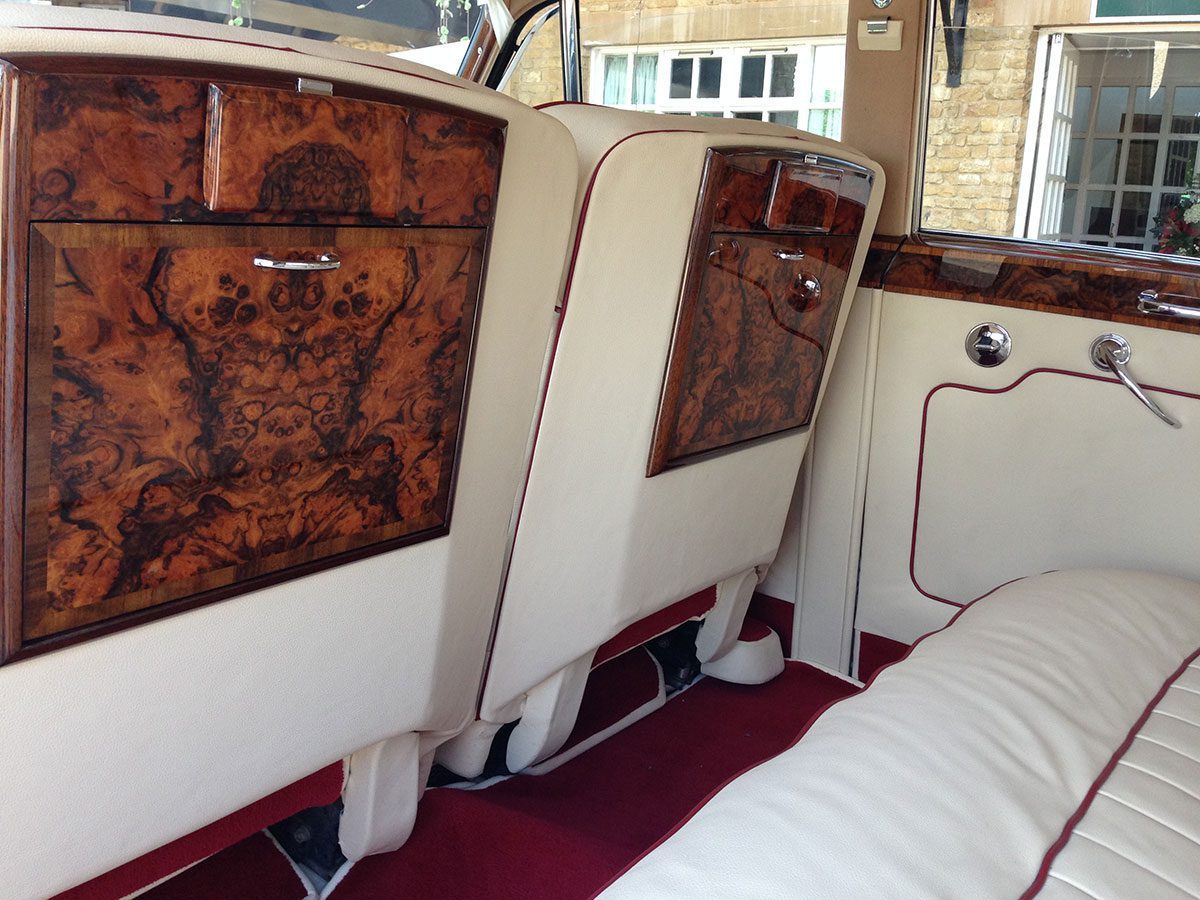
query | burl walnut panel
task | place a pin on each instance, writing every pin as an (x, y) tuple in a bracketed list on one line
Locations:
[(1065, 280), (772, 191), (760, 302), (282, 151), (133, 148), (758, 342), (196, 421)]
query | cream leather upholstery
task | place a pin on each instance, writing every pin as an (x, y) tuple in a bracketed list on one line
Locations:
[(598, 544), (955, 773), (1061, 451), (120, 744)]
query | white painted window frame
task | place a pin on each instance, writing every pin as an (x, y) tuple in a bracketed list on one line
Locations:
[(728, 104)]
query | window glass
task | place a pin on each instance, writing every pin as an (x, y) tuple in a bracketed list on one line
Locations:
[(681, 77), (754, 70), (1055, 129), (709, 82), (783, 75), (616, 86), (779, 61), (535, 77), (645, 78), (431, 32)]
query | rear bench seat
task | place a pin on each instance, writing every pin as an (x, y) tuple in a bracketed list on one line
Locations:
[(1046, 743)]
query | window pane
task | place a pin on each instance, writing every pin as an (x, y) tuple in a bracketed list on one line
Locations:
[(1110, 113), (757, 116), (537, 77), (1097, 216), (681, 77), (1105, 157), (1148, 109), (1181, 161), (754, 69), (825, 122), (1075, 161), (790, 119), (615, 68), (710, 78), (829, 73), (1135, 214), (645, 77), (783, 75), (1081, 113), (1067, 222), (1140, 168), (1186, 110), (710, 115)]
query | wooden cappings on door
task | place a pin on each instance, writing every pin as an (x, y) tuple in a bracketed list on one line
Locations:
[(772, 246)]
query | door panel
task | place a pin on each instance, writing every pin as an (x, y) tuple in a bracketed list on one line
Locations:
[(979, 476)]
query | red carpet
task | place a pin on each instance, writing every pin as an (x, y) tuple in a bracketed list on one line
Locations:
[(565, 834), (253, 869)]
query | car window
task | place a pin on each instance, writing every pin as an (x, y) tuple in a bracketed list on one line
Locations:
[(776, 62), (431, 32), (1065, 130)]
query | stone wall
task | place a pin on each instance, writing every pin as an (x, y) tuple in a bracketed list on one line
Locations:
[(977, 130), (538, 76)]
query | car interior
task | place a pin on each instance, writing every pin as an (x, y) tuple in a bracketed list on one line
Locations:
[(624, 448)]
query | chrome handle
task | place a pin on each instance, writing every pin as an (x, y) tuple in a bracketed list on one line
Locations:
[(788, 255), (322, 263), (1149, 304), (1112, 352)]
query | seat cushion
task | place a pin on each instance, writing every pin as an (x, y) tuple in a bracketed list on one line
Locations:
[(1047, 740)]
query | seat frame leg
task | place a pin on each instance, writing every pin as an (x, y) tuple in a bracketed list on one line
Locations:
[(380, 798), (549, 715), (720, 629), (467, 754)]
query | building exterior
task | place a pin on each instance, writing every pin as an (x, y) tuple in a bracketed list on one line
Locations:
[(1068, 120)]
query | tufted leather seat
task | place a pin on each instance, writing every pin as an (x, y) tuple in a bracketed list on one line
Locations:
[(1047, 742)]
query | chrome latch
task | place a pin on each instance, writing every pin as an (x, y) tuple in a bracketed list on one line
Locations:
[(314, 86)]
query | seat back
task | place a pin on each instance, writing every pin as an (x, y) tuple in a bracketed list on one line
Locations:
[(118, 743), (688, 367)]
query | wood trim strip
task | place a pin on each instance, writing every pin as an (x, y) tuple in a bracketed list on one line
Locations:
[(1067, 281)]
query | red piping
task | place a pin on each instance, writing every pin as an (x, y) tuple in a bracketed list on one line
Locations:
[(912, 553), (1085, 804)]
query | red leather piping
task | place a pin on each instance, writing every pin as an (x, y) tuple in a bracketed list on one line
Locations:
[(912, 554), (1044, 871), (799, 737)]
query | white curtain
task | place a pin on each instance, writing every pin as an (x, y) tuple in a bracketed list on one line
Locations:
[(615, 68), (645, 76)]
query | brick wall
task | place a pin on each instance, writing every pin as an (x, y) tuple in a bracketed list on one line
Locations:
[(977, 130)]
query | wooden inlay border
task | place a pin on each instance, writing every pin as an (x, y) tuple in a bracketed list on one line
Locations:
[(1065, 281)]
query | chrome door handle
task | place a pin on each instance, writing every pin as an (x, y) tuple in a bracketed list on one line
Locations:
[(788, 255), (1149, 304), (322, 263), (1112, 352)]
